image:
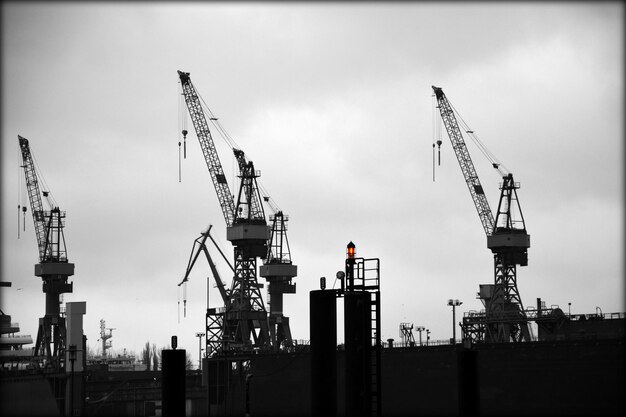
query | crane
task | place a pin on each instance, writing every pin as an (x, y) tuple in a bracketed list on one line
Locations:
[(53, 267), (278, 270), (200, 246), (245, 323), (505, 318), (214, 320)]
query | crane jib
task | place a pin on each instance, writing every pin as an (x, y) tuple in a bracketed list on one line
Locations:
[(211, 156), (465, 162), (48, 224)]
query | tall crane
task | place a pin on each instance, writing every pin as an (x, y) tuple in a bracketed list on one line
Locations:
[(505, 318), (53, 267), (245, 322), (278, 270)]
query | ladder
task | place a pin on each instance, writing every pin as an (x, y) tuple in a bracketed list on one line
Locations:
[(367, 278)]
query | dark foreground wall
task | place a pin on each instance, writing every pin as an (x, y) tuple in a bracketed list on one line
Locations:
[(555, 378), (574, 378), (564, 378)]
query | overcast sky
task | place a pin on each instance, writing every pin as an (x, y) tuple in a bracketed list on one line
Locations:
[(333, 103)]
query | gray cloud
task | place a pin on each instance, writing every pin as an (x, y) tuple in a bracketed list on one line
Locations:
[(333, 103)]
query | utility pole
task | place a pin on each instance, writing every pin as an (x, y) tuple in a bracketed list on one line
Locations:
[(72, 356), (200, 335), (420, 329), (454, 304)]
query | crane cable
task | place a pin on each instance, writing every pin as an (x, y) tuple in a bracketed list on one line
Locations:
[(436, 129), (182, 127), (233, 145), (21, 201), (222, 133), (214, 120), (481, 146), (46, 189), (230, 142)]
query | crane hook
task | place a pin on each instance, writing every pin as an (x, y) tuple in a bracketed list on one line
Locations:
[(185, 143), (439, 152)]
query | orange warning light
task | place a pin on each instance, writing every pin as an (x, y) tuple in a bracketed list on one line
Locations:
[(351, 250)]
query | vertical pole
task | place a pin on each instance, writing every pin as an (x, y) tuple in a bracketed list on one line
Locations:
[(323, 325), (199, 336), (357, 353), (173, 382), (248, 377), (468, 382), (453, 325), (72, 393), (72, 358)]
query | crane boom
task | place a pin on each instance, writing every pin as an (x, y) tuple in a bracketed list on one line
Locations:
[(465, 162), (211, 156), (34, 196), (198, 246)]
